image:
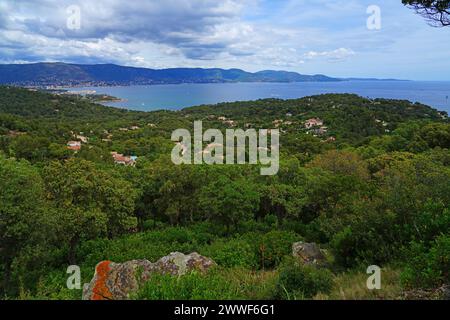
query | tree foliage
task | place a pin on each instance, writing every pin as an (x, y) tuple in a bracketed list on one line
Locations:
[(437, 12), (377, 190)]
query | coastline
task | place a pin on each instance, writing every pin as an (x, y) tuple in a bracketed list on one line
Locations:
[(144, 84), (176, 97)]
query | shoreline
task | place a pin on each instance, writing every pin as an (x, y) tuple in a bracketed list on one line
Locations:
[(112, 85), (176, 97)]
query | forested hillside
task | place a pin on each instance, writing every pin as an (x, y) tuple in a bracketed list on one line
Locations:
[(63, 74), (368, 181)]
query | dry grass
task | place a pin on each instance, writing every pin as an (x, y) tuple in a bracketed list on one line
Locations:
[(254, 285), (352, 286)]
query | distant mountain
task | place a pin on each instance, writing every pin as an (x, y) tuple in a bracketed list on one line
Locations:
[(62, 74)]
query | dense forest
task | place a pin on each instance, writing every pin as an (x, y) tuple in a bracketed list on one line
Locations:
[(370, 186)]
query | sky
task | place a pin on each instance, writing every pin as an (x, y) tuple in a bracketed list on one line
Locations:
[(340, 38)]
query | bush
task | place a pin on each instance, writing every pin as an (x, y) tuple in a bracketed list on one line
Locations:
[(31, 264), (299, 282), (151, 245), (150, 224), (92, 252), (372, 237), (253, 226), (53, 286), (433, 220), (270, 248), (217, 284), (206, 232), (176, 234), (274, 246), (368, 239), (271, 221), (428, 268), (232, 253)]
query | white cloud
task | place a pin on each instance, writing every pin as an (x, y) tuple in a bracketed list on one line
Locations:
[(146, 33), (307, 36), (184, 24), (334, 55)]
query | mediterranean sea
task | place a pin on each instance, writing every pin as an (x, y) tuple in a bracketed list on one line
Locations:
[(179, 96)]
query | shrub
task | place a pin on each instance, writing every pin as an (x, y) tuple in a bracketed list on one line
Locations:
[(433, 220), (150, 224), (369, 238), (373, 237), (232, 253), (218, 284), (149, 245), (206, 232), (298, 281), (253, 226), (274, 246), (53, 286), (92, 252), (176, 234), (270, 248), (427, 268), (271, 221)]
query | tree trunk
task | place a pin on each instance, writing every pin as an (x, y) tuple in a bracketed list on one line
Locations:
[(72, 250), (7, 275)]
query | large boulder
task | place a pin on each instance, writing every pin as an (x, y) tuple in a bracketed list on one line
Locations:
[(308, 253), (116, 281)]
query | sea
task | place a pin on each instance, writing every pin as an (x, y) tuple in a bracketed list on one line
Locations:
[(179, 96)]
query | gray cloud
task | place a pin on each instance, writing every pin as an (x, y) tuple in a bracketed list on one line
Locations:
[(168, 33), (187, 25)]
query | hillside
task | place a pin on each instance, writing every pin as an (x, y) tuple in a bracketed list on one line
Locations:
[(43, 74), (348, 117), (368, 186)]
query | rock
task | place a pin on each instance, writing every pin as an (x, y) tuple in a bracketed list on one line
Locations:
[(445, 292), (308, 253), (442, 293), (116, 281)]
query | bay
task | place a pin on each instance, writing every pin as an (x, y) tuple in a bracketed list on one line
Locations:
[(179, 96)]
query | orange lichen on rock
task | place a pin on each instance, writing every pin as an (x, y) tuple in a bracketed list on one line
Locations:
[(119, 281), (101, 291)]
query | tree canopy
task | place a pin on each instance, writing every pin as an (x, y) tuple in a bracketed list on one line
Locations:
[(437, 12), (371, 187)]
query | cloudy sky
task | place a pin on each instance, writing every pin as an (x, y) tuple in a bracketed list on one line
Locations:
[(308, 36)]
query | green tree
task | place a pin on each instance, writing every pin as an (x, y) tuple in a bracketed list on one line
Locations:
[(91, 202), (434, 135), (229, 202), (282, 200), (30, 148), (24, 218), (169, 192), (342, 162)]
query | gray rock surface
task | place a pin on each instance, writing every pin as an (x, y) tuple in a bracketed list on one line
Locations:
[(308, 253), (116, 281)]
